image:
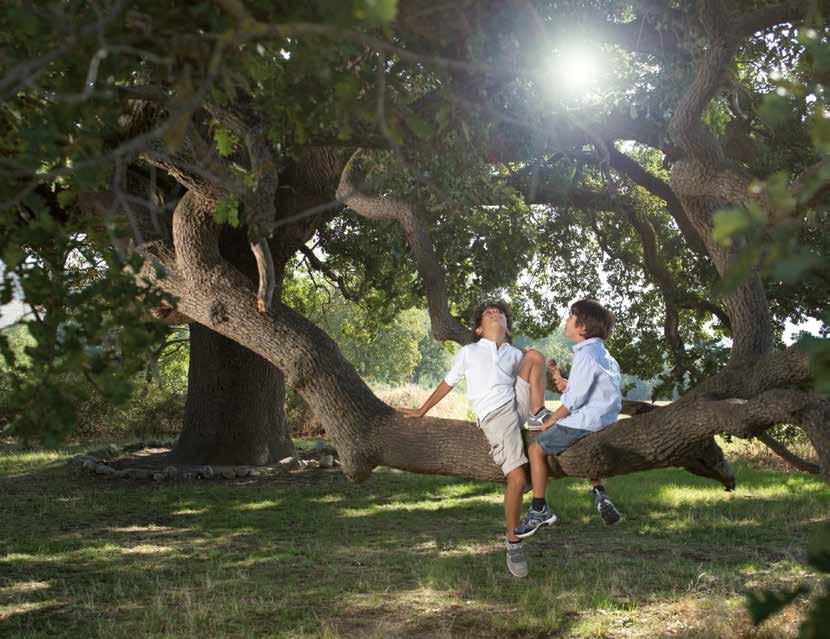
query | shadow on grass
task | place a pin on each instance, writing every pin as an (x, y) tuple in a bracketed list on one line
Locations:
[(418, 554)]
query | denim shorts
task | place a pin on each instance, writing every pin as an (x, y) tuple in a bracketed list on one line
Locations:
[(557, 439)]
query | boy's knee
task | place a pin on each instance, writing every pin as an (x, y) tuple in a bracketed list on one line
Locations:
[(535, 450), (516, 476)]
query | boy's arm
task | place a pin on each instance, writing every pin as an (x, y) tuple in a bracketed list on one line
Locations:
[(437, 395), (580, 383), (455, 375), (578, 386), (558, 414)]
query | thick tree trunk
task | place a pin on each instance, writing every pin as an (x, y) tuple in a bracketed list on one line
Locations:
[(235, 409)]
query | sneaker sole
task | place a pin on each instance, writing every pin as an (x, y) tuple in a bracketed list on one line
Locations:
[(519, 574), (548, 522), (610, 518)]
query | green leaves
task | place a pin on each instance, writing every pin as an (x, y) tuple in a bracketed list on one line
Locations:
[(227, 211), (376, 11), (89, 333), (735, 221), (226, 141), (776, 110)]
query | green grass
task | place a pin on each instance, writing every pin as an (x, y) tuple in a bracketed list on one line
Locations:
[(401, 555)]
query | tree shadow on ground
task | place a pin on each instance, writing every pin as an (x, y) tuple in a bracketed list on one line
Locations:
[(396, 547)]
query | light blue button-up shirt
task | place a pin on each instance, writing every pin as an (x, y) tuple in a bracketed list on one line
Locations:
[(593, 394)]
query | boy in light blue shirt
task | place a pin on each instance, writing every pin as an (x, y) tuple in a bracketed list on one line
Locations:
[(591, 401)]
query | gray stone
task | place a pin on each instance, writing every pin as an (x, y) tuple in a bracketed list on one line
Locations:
[(326, 461), (121, 474), (291, 463), (89, 464), (228, 473), (253, 472), (141, 473), (103, 469), (206, 472), (242, 471), (158, 476)]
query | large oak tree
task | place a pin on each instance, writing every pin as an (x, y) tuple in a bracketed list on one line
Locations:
[(224, 136)]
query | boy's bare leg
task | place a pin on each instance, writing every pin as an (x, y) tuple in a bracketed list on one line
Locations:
[(533, 372), (540, 514), (538, 470), (516, 479)]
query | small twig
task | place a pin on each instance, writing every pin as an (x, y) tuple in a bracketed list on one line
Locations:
[(314, 261)]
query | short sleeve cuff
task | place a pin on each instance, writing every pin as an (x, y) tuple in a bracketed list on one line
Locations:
[(451, 381)]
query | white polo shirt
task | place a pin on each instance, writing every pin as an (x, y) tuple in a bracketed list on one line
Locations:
[(491, 374)]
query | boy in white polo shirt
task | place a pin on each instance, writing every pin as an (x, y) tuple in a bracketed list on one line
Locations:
[(505, 388)]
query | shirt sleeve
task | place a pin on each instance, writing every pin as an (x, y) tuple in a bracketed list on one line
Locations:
[(456, 372), (583, 376)]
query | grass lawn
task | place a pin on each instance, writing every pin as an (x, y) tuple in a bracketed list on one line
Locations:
[(401, 555)]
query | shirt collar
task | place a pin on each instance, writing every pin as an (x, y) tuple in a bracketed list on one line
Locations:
[(490, 342), (581, 345)]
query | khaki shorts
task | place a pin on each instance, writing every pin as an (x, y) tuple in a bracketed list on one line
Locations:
[(503, 429)]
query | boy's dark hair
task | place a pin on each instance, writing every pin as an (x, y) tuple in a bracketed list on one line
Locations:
[(478, 313), (593, 318)]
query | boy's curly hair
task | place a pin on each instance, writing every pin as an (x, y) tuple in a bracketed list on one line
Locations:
[(478, 313), (593, 318)]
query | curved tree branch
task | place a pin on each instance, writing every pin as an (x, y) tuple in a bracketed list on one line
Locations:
[(635, 172), (328, 272), (379, 207), (788, 456)]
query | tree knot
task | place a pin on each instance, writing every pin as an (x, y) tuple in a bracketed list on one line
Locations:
[(218, 313)]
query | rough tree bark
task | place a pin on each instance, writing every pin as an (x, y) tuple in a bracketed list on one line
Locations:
[(234, 412), (235, 408)]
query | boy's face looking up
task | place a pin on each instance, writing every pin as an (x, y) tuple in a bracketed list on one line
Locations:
[(493, 323)]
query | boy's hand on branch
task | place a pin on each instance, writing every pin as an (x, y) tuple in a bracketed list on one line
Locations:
[(561, 384), (412, 412)]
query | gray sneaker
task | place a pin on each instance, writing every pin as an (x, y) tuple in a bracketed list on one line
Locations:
[(534, 422), (516, 560), (534, 520), (606, 509)]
